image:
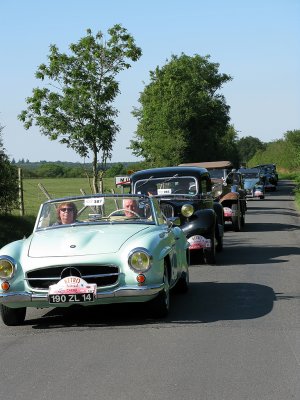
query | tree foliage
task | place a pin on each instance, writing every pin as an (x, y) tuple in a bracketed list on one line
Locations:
[(182, 117), (248, 146), (78, 109), (228, 146), (285, 153), (9, 199)]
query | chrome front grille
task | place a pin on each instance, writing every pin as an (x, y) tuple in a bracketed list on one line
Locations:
[(102, 275), (167, 210)]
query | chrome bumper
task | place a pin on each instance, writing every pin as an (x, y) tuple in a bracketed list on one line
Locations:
[(127, 291)]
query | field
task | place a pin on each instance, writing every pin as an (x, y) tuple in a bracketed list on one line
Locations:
[(57, 187)]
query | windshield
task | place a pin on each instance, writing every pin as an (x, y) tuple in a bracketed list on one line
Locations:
[(217, 173), (251, 175), (166, 185), (99, 209)]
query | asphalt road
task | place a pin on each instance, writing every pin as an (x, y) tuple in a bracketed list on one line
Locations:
[(234, 336)]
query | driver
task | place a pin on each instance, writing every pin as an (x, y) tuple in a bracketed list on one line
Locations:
[(66, 213), (130, 205)]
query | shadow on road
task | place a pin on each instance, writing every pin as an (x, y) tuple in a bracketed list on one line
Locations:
[(248, 255), (204, 303), (269, 227)]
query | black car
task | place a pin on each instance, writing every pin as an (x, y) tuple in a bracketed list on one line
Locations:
[(186, 193), (228, 189), (269, 174)]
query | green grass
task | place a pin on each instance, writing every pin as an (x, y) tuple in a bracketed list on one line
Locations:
[(14, 227), (57, 187)]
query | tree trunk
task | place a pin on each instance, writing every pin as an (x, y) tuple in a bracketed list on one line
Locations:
[(95, 173)]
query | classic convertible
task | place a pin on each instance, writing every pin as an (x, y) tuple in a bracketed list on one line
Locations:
[(95, 249)]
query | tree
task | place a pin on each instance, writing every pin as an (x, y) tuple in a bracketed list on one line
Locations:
[(293, 141), (78, 109), (248, 146), (115, 170), (285, 153), (182, 117), (229, 148), (9, 199)]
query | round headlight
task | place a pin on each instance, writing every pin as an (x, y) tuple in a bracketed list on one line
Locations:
[(7, 267), (139, 260), (187, 210)]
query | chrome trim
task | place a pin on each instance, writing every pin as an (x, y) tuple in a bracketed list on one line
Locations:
[(83, 276), (126, 291)]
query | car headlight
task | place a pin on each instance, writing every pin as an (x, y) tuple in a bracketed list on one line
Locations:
[(139, 260), (187, 210), (7, 267)]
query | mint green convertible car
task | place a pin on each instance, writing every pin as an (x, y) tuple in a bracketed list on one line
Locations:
[(95, 249)]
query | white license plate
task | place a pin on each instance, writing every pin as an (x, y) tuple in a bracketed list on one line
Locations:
[(71, 298)]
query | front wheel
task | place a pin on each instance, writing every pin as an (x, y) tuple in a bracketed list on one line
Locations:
[(160, 306), (219, 246), (243, 220), (12, 316), (182, 286), (236, 220), (210, 255)]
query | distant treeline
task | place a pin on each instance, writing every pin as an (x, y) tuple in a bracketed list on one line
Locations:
[(61, 169)]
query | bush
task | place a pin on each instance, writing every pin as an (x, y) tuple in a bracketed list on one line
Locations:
[(15, 228)]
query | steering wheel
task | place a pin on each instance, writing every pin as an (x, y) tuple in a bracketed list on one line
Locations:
[(179, 191), (125, 210)]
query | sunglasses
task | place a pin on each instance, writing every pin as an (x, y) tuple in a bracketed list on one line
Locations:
[(64, 209)]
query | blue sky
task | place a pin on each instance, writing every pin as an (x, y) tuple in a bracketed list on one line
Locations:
[(257, 42)]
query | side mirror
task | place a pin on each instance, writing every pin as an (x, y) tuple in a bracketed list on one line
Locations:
[(173, 221)]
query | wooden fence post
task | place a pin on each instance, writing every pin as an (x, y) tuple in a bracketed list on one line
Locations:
[(21, 198), (40, 185)]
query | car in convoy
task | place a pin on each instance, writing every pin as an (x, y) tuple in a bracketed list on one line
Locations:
[(228, 189), (269, 175), (108, 252), (253, 183), (186, 193)]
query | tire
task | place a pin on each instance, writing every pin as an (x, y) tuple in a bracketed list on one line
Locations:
[(197, 257), (12, 316), (219, 238), (160, 306), (210, 256), (219, 246), (243, 220), (262, 197), (236, 220), (182, 286)]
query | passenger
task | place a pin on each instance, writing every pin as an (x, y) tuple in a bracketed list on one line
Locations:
[(151, 190)]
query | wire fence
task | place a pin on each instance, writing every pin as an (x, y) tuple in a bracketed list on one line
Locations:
[(34, 195)]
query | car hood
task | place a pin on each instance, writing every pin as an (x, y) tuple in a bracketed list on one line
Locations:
[(250, 183), (84, 240)]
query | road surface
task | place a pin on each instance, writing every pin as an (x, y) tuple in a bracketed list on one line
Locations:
[(234, 336)]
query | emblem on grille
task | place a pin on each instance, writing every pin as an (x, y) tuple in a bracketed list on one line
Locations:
[(70, 271)]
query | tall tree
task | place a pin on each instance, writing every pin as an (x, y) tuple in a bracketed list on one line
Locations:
[(78, 109), (8, 181), (293, 141), (182, 116), (229, 148), (248, 146)]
